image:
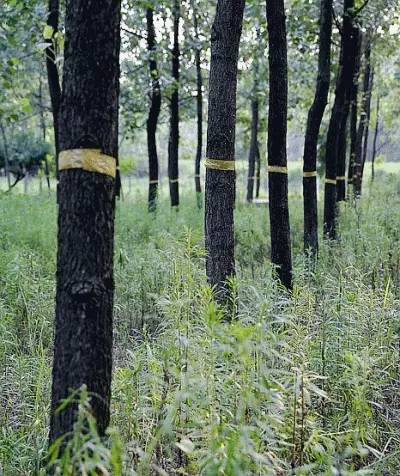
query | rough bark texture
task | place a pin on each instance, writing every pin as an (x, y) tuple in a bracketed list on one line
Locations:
[(253, 149), (199, 105), (173, 144), (88, 118), (344, 78), (277, 131), (314, 120), (154, 112), (220, 184), (52, 71)]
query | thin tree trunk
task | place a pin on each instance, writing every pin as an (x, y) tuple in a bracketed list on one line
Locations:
[(258, 172), (52, 71), (314, 120), (354, 114), (199, 104), (88, 119), (43, 125), (277, 132), (362, 127), (253, 147), (173, 144), (344, 78), (154, 112), (220, 184), (6, 156), (374, 147), (366, 133)]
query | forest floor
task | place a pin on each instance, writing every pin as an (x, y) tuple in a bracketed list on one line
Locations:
[(304, 384)]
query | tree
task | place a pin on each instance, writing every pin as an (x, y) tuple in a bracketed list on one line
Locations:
[(220, 162), (51, 36), (314, 120), (154, 112), (173, 144), (199, 106), (88, 132), (277, 131), (337, 123)]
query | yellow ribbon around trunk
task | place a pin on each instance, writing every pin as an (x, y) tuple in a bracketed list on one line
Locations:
[(219, 164), (91, 160)]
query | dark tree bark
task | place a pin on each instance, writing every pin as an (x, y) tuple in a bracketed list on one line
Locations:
[(366, 133), (173, 144), (374, 144), (338, 116), (362, 126), (277, 131), (354, 57), (253, 148), (52, 71), (199, 104), (314, 120), (154, 112), (88, 118), (220, 184), (258, 173), (6, 157)]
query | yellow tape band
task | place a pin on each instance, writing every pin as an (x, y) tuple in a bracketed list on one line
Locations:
[(219, 164), (152, 182), (197, 176), (91, 160), (252, 178), (330, 181), (342, 177), (277, 169), (176, 180), (310, 174)]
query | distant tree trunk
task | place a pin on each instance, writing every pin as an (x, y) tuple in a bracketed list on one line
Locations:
[(354, 111), (43, 125), (314, 120), (354, 55), (173, 144), (354, 133), (344, 78), (364, 120), (199, 103), (375, 139), (154, 112), (220, 174), (253, 148), (366, 133), (6, 156), (277, 132), (88, 119), (258, 172), (52, 71)]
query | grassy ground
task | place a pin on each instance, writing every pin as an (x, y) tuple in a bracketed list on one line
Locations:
[(306, 384)]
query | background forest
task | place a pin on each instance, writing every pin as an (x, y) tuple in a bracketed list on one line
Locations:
[(301, 382)]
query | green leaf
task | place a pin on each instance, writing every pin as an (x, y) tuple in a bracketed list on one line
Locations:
[(48, 32)]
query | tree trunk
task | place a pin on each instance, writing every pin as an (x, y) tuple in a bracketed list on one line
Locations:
[(253, 148), (314, 120), (199, 103), (375, 139), (344, 79), (88, 119), (52, 71), (6, 156), (277, 131), (220, 184), (366, 133), (154, 112), (258, 172), (43, 125), (173, 144), (362, 127)]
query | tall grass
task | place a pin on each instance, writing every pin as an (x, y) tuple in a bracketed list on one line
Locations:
[(304, 384)]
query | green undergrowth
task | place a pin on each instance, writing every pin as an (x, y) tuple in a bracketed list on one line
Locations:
[(306, 384)]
